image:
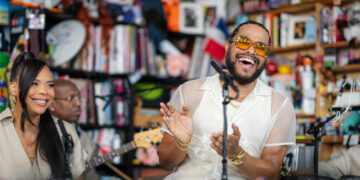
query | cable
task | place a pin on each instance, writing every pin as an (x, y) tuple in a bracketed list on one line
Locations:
[(353, 85)]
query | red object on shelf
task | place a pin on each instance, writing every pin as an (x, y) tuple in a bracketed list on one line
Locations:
[(271, 68), (298, 63)]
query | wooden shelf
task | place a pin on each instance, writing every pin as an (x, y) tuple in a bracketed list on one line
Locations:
[(231, 21), (334, 94), (289, 8), (302, 7), (342, 44), (293, 48), (74, 73), (174, 81), (301, 115), (181, 34), (304, 140), (347, 69), (333, 139), (295, 8), (58, 16), (292, 8)]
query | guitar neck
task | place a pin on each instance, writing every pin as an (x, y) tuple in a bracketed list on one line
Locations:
[(100, 159)]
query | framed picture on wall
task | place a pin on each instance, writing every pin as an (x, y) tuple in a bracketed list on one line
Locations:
[(191, 18), (213, 10), (296, 32)]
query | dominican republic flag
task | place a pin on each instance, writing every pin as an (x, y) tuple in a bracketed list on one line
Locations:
[(215, 40)]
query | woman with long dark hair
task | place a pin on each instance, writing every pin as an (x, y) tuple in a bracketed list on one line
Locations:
[(30, 140)]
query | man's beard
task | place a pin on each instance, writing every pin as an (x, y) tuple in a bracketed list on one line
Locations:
[(243, 80)]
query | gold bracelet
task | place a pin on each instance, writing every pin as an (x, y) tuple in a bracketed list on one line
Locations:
[(239, 159), (181, 146)]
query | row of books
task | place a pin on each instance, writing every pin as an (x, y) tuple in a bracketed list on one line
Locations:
[(339, 24), (336, 24), (200, 61), (108, 139), (196, 66), (102, 102), (121, 55), (130, 50)]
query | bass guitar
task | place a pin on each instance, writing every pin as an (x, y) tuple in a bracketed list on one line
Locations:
[(142, 139)]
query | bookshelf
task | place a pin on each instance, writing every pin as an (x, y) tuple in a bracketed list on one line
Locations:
[(314, 49), (342, 44), (290, 8), (295, 8), (329, 139), (292, 48), (125, 130), (334, 139), (301, 8), (347, 69), (305, 140), (74, 73), (301, 115), (174, 81)]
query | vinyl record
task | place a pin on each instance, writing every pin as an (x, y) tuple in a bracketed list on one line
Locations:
[(69, 37)]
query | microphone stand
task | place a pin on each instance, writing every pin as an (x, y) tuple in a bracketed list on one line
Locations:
[(318, 132), (226, 79)]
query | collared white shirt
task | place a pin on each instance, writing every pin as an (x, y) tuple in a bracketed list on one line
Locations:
[(14, 162), (265, 118), (347, 163)]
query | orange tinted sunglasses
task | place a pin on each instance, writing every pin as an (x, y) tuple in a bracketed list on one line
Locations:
[(244, 44)]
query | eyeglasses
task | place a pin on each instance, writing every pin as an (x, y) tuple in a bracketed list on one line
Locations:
[(244, 44), (71, 98)]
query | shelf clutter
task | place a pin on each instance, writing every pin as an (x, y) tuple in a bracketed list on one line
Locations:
[(313, 48), (127, 57), (328, 139)]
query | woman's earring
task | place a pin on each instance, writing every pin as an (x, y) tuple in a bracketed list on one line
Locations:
[(52, 109)]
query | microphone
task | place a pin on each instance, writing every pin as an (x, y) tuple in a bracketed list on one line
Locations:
[(227, 78)]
